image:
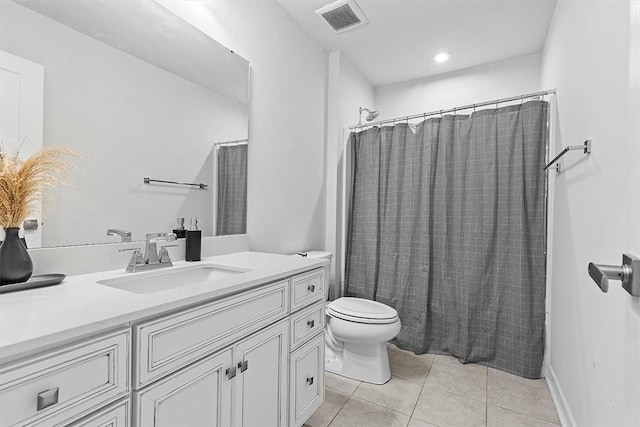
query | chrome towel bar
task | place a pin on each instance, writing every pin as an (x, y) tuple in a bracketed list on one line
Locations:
[(586, 147), (149, 181)]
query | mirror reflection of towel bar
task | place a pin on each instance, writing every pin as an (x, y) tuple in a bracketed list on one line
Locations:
[(149, 181)]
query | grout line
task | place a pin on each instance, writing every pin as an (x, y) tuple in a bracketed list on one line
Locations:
[(422, 388), (526, 415), (486, 398), (378, 405), (336, 415)]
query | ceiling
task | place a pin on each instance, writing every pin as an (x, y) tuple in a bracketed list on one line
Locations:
[(402, 36)]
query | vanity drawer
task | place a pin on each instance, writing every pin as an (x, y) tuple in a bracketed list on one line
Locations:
[(65, 385), (117, 415), (307, 288), (306, 376), (306, 323), (166, 344)]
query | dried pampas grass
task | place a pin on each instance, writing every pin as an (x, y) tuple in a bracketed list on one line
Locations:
[(23, 183)]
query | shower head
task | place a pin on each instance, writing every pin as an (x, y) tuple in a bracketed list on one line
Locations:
[(371, 116)]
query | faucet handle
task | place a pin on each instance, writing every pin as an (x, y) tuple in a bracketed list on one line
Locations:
[(164, 255), (136, 259)]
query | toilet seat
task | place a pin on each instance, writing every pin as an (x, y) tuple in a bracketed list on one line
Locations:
[(361, 310)]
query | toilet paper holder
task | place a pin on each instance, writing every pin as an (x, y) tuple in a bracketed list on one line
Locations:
[(628, 273)]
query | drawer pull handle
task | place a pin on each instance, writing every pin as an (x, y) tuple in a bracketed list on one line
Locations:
[(311, 288), (47, 398), (243, 366), (311, 323), (231, 372), (310, 380)]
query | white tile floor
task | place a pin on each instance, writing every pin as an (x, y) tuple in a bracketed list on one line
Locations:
[(427, 391)]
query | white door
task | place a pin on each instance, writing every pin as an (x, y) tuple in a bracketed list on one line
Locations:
[(197, 396), (262, 378), (21, 117)]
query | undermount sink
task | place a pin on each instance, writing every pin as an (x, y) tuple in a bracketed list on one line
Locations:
[(171, 278)]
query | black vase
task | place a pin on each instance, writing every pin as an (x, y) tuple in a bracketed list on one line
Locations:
[(15, 262)]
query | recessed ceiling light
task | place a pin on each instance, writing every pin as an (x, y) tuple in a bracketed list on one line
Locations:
[(442, 57)]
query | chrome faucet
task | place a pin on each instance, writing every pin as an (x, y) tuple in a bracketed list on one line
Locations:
[(152, 257), (125, 235)]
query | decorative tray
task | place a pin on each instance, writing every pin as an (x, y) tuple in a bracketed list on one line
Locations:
[(34, 282)]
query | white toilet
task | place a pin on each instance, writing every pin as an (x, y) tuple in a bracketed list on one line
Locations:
[(357, 332), (356, 335)]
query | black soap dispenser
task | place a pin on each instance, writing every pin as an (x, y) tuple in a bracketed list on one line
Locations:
[(180, 231), (194, 241)]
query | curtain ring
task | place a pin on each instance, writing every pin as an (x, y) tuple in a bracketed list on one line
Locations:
[(440, 113), (454, 112), (497, 100), (474, 108), (522, 100)]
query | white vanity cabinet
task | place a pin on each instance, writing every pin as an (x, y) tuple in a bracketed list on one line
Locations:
[(248, 360), (253, 358)]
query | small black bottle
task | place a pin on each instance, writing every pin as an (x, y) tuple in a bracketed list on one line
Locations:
[(179, 231), (194, 242)]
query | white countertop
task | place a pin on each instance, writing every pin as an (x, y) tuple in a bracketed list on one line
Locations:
[(38, 319)]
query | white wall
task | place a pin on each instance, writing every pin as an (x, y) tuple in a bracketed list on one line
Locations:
[(286, 197), (128, 119), (496, 80), (595, 337), (355, 91), (348, 90)]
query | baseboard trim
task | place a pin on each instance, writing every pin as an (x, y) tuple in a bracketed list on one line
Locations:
[(559, 399)]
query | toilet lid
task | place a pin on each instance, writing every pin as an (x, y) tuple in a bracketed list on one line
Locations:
[(362, 310)]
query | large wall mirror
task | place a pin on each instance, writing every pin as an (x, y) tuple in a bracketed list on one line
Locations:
[(138, 92)]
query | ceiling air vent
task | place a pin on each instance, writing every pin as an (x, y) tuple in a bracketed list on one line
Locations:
[(342, 15)]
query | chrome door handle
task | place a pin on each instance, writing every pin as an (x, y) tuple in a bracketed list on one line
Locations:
[(47, 398), (628, 273), (243, 366), (310, 380), (311, 323), (231, 372), (311, 288)]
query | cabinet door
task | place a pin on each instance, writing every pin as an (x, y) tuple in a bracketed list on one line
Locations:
[(306, 380), (262, 381), (197, 396)]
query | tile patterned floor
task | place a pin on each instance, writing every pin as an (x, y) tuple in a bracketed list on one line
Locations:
[(428, 391)]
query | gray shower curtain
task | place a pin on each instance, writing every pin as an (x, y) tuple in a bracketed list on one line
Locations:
[(447, 225), (231, 214)]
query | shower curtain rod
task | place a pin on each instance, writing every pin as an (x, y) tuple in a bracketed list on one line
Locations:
[(235, 142), (455, 109)]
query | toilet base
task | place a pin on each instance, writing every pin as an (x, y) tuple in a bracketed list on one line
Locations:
[(368, 362)]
